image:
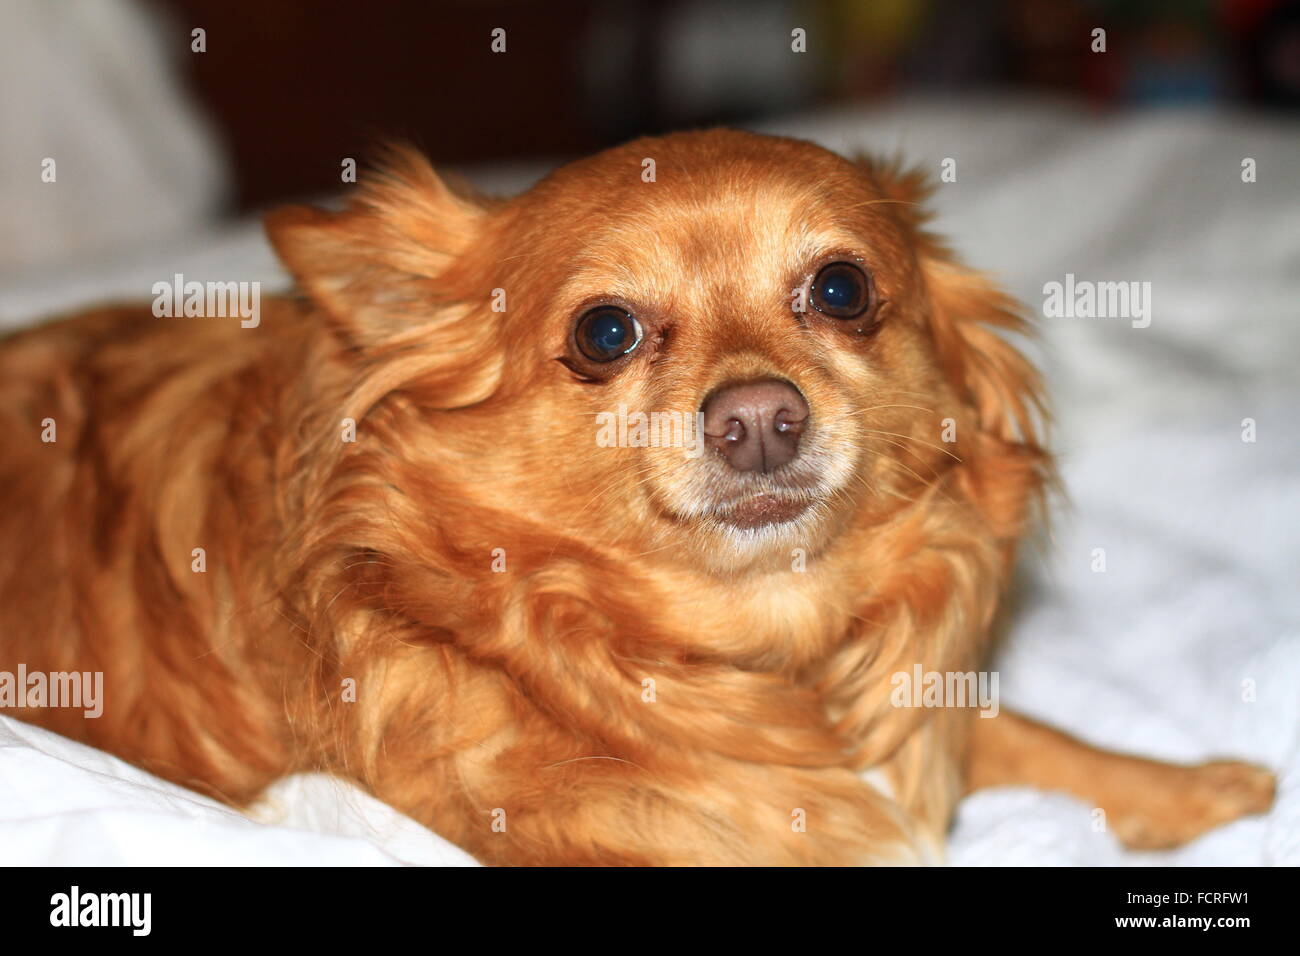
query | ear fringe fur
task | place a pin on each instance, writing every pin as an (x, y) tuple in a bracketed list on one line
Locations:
[(375, 266)]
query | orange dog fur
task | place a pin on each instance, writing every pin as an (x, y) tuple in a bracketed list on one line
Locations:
[(574, 640)]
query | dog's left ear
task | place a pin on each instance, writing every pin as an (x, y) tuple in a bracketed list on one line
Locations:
[(1000, 391), (385, 263), (1005, 468), (988, 372)]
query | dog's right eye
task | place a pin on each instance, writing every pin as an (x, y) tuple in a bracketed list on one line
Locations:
[(841, 290), (606, 333)]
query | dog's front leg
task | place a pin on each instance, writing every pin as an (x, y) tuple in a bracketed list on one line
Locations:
[(1148, 804), (600, 810)]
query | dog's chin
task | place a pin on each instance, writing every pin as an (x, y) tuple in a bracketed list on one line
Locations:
[(736, 524), (760, 511), (764, 531), (764, 525)]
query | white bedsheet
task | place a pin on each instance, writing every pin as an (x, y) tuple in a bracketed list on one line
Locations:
[(1199, 528)]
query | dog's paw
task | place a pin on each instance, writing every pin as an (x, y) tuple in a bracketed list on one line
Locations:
[(1192, 800), (1239, 788)]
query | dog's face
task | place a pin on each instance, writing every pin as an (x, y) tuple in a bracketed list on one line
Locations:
[(718, 345)]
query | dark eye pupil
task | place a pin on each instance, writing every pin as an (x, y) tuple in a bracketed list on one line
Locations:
[(606, 333), (609, 333), (841, 290)]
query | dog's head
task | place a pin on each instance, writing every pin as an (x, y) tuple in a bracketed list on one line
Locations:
[(715, 346)]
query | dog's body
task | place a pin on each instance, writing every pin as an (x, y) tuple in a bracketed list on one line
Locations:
[(547, 650)]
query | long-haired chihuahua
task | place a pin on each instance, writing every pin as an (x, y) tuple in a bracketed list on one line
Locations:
[(607, 524)]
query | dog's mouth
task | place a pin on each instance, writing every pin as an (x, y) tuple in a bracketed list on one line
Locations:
[(760, 510)]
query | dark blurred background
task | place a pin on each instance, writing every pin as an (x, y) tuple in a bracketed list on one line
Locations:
[(119, 134), (292, 87)]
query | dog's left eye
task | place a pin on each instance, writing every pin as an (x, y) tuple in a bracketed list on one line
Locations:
[(841, 290), (606, 333)]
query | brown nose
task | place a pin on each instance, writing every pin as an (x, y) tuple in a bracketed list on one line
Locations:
[(755, 425)]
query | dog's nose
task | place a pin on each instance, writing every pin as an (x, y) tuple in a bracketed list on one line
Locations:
[(755, 425)]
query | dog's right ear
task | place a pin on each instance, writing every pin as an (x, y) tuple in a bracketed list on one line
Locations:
[(381, 266)]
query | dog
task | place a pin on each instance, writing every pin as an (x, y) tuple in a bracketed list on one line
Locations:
[(380, 535)]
